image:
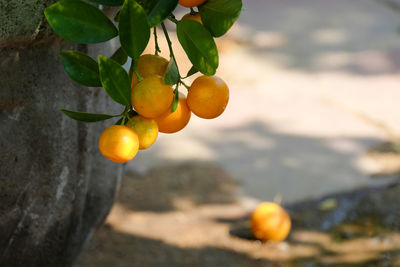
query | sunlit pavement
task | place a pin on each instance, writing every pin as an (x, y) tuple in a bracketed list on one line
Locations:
[(314, 85)]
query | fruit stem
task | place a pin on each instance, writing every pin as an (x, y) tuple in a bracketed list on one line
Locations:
[(173, 19), (156, 41), (184, 84), (192, 12), (123, 120), (171, 51), (125, 113)]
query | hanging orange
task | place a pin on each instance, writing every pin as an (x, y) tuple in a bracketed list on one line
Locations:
[(119, 143), (173, 122)]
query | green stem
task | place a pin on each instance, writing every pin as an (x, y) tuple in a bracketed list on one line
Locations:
[(171, 51), (125, 114), (156, 41), (192, 11), (174, 20), (184, 84), (123, 120)]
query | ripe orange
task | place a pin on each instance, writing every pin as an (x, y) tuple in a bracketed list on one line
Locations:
[(208, 96), (195, 17), (151, 97), (149, 65), (191, 3), (146, 129), (173, 122), (270, 221), (119, 143)]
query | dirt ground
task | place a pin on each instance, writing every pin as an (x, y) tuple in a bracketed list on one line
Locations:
[(190, 215)]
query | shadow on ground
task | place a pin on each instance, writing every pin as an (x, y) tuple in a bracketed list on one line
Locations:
[(361, 229), (115, 249), (177, 186)]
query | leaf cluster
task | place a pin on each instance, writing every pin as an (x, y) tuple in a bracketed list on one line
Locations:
[(84, 22)]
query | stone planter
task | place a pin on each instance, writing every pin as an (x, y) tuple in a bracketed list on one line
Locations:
[(55, 187)]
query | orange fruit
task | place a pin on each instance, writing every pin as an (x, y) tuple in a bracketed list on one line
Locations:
[(149, 65), (208, 96), (146, 129), (119, 143), (151, 97), (191, 3), (173, 122), (195, 17), (269, 221)]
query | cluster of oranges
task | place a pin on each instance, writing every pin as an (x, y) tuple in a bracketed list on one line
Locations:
[(152, 100)]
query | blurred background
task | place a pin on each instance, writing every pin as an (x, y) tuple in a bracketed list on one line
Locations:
[(313, 123)]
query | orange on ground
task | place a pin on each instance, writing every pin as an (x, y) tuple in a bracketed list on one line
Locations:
[(119, 143), (208, 96), (151, 97), (270, 221), (146, 129), (191, 3), (149, 65), (176, 121), (195, 17)]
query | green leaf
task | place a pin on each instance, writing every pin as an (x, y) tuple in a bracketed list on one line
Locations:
[(147, 4), (120, 56), (134, 29), (80, 22), (328, 204), (176, 100), (192, 71), (109, 2), (218, 16), (115, 80), (171, 75), (199, 46), (86, 117), (81, 68), (159, 10)]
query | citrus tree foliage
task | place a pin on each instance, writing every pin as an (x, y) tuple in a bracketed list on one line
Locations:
[(85, 23), (148, 92)]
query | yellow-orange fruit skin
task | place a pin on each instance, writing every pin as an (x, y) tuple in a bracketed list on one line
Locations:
[(270, 222), (151, 97), (146, 129), (149, 65), (119, 143), (195, 17), (208, 97), (176, 121), (191, 3)]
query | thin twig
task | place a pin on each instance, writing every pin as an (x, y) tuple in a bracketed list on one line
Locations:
[(157, 48), (171, 51)]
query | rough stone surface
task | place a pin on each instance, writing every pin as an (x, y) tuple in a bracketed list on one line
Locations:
[(55, 187), (23, 20)]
